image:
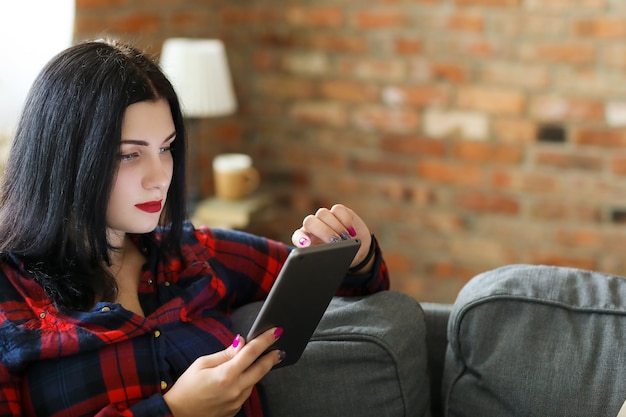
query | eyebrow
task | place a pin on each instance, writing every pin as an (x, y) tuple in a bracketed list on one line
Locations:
[(143, 142)]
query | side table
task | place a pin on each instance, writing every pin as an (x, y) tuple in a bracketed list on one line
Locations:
[(241, 214)]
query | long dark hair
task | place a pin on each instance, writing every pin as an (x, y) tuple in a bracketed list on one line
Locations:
[(62, 167)]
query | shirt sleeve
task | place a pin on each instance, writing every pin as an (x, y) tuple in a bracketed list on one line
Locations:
[(10, 403), (249, 265), (363, 284), (246, 265)]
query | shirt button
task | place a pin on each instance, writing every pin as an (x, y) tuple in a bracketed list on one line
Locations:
[(163, 385), (105, 309), (167, 283), (42, 315), (157, 333), (150, 282)]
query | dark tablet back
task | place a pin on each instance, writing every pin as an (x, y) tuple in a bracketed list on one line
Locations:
[(305, 286)]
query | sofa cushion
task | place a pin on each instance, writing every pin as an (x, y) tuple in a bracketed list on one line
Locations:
[(367, 358), (537, 341)]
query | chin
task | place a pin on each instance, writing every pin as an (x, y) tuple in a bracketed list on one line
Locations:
[(141, 227)]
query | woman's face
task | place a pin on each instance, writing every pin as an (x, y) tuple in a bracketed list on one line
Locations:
[(145, 169)]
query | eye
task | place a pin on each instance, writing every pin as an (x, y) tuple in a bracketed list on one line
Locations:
[(169, 146), (128, 156), (166, 149)]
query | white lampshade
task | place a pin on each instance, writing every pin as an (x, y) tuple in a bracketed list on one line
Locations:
[(198, 70)]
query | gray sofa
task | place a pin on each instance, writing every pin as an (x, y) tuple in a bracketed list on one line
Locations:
[(518, 341)]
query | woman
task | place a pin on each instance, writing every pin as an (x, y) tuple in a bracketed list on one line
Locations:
[(110, 303)]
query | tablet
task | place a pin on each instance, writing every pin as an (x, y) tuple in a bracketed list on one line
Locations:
[(298, 299)]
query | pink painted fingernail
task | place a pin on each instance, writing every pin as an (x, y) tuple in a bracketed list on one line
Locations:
[(236, 341), (278, 332), (303, 241), (352, 231)]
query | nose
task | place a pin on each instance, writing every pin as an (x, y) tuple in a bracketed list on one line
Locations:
[(158, 172)]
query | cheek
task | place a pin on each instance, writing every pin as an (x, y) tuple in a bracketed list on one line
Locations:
[(170, 168), (121, 188)]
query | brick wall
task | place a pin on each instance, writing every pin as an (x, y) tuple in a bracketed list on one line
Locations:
[(469, 134)]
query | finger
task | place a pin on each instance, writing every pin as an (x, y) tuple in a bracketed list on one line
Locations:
[(254, 349), (328, 217), (301, 238), (218, 358), (356, 227), (324, 227)]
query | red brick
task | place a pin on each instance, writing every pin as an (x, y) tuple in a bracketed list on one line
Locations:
[(381, 19), (491, 100), (514, 130), (286, 87), (300, 156), (565, 210), (315, 16), (99, 4), (191, 20), (563, 108), (138, 23), (450, 72), (563, 5), (569, 160), (275, 39), (450, 173), (465, 22), (398, 262), (528, 182), (488, 3), (248, 15), (320, 113), (372, 69), (412, 145), (265, 61), (422, 95), (610, 138), (381, 119), (348, 91), (579, 238), (488, 152), (613, 56), (562, 53), (336, 42), (518, 75), (406, 46), (481, 250), (379, 166), (556, 259), (618, 165), (600, 27), (488, 203)]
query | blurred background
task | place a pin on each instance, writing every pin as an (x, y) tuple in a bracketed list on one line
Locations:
[(469, 134)]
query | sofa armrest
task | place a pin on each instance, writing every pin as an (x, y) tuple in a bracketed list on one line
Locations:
[(366, 358)]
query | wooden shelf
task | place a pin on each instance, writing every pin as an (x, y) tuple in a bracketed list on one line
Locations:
[(216, 213)]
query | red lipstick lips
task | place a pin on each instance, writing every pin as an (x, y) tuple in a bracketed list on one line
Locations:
[(150, 206)]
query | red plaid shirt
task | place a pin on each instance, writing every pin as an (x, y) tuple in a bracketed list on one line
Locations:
[(112, 362)]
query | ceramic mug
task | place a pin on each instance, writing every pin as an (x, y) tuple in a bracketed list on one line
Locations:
[(235, 177)]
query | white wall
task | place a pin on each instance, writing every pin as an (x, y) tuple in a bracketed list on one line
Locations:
[(31, 32)]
